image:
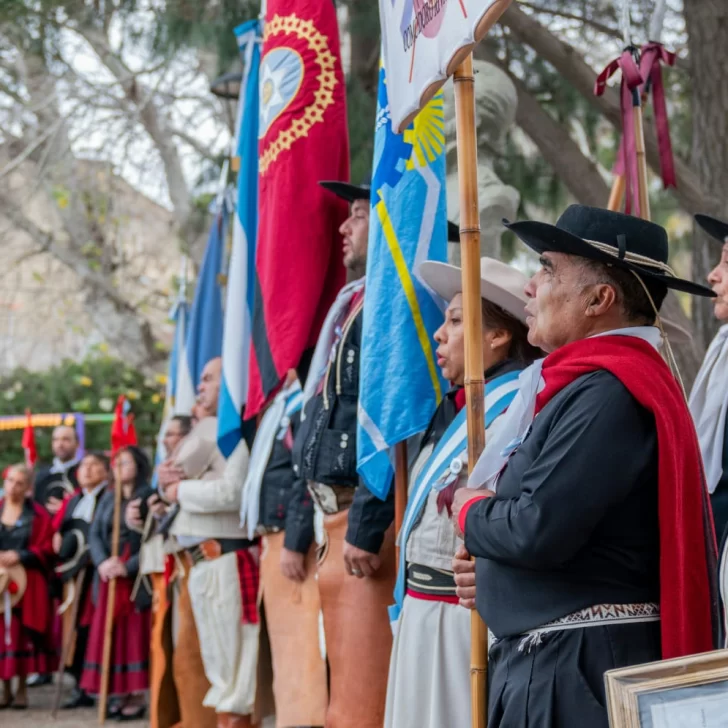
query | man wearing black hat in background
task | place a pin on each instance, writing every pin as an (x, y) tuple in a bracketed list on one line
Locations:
[(595, 551), (356, 569)]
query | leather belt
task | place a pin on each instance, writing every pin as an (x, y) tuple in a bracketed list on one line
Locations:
[(212, 548), (331, 498), (430, 581)]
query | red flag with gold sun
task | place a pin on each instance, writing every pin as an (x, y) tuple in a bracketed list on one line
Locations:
[(302, 140)]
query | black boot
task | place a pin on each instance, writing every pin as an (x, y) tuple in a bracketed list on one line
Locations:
[(78, 699), (39, 680)]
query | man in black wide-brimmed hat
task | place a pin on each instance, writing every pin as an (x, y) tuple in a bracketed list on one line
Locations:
[(595, 551)]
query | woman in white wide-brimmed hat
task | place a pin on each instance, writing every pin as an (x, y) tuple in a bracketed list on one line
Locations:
[(429, 683)]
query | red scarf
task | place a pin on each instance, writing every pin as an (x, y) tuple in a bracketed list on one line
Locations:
[(688, 552)]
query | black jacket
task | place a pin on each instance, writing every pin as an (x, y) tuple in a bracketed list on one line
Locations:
[(325, 448), (575, 521), (70, 544), (285, 502), (58, 485), (100, 537)]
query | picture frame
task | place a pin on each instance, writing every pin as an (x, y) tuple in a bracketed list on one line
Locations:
[(686, 692)]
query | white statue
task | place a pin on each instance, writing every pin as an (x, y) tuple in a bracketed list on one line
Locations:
[(495, 111)]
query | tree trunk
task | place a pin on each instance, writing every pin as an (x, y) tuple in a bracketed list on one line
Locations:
[(707, 23), (361, 85)]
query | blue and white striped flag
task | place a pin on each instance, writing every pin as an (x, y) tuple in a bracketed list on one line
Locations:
[(241, 273), (179, 399), (175, 401), (399, 382), (204, 334)]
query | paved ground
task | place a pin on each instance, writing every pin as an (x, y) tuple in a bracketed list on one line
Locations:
[(38, 714)]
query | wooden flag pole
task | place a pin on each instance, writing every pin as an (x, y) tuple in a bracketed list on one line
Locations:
[(400, 488), (467, 155), (639, 138), (616, 195), (109, 625)]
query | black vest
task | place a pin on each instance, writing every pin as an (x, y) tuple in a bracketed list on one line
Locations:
[(325, 449)]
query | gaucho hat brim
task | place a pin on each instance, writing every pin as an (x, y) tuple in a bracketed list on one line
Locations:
[(715, 228), (543, 237), (347, 191)]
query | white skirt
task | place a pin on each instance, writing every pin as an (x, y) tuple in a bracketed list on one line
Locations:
[(429, 671)]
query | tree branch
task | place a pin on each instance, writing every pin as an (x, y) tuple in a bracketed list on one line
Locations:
[(580, 75), (595, 24), (152, 121), (201, 149), (47, 242)]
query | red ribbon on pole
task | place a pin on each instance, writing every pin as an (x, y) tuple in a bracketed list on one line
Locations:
[(627, 156), (654, 54)]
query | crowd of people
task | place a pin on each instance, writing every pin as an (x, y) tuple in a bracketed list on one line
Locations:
[(267, 583)]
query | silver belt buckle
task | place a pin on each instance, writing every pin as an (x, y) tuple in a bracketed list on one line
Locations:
[(325, 497)]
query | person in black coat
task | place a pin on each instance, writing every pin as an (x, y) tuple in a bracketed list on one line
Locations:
[(577, 570), (129, 676), (58, 482), (74, 568)]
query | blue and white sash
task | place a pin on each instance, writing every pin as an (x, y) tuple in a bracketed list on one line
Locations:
[(273, 426), (443, 467)]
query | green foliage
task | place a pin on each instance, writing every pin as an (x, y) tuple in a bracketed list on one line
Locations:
[(204, 25), (91, 386)]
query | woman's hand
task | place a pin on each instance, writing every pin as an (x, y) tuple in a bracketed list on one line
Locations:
[(133, 516), (9, 558), (57, 542), (53, 505), (111, 569)]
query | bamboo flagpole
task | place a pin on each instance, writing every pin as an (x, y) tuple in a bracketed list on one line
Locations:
[(467, 156), (639, 137), (109, 625)]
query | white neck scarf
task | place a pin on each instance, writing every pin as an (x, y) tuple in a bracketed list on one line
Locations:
[(327, 337), (85, 508), (708, 405), (510, 429), (61, 467)]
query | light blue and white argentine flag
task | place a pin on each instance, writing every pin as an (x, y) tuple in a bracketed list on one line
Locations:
[(173, 399), (241, 273), (399, 382), (204, 334)]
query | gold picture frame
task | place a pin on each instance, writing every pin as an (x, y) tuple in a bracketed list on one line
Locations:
[(686, 692)]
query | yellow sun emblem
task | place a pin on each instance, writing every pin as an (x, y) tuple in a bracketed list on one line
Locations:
[(427, 135)]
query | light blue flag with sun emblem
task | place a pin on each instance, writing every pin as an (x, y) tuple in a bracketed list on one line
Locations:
[(399, 382)]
